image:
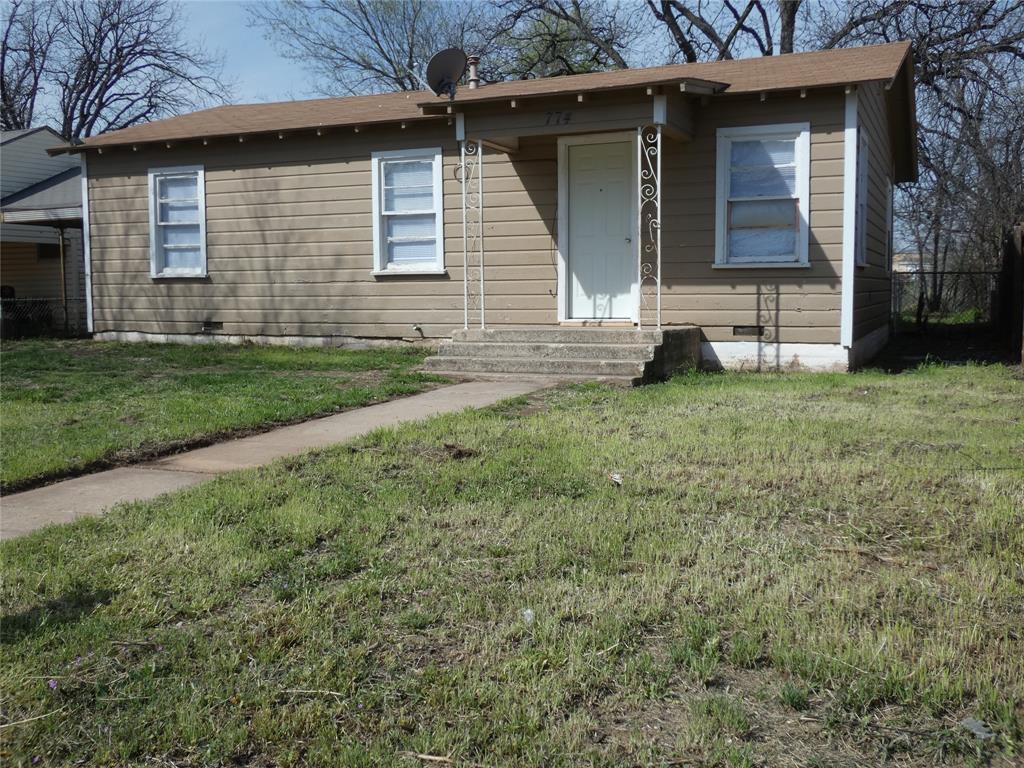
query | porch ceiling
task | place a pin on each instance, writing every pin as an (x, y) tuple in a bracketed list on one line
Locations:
[(503, 124)]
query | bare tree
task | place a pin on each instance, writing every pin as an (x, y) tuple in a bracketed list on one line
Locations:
[(28, 34), (969, 70), (354, 46), (722, 30), (563, 37), (116, 63)]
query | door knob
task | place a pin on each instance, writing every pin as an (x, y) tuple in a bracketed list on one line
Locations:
[(629, 239)]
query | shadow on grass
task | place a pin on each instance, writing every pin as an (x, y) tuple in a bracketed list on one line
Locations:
[(62, 610), (964, 344)]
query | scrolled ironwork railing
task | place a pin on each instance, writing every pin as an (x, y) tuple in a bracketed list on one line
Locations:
[(470, 175), (649, 225)]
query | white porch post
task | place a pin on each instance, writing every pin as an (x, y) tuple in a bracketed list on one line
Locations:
[(649, 218), (465, 239), (471, 155)]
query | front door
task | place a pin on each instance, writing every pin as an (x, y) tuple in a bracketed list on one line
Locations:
[(601, 261)]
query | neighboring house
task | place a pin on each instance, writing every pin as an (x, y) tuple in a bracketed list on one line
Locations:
[(42, 270), (906, 261), (748, 201)]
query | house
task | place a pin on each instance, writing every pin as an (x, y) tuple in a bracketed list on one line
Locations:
[(42, 270), (742, 208)]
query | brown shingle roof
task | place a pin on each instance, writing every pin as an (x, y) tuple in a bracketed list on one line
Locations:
[(798, 70), (815, 69)]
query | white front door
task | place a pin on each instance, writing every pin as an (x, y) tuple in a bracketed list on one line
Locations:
[(600, 259)]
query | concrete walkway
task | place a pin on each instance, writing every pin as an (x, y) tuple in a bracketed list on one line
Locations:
[(93, 494)]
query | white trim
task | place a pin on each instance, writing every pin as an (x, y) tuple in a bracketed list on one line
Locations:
[(801, 134), (863, 194), (86, 249), (888, 224), (154, 218), (562, 244), (849, 218), (766, 355), (660, 109), (380, 267)]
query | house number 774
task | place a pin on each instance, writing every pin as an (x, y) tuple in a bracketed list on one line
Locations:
[(558, 118)]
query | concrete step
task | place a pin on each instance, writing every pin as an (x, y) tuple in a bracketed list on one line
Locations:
[(543, 380), (560, 335), (548, 366), (541, 351)]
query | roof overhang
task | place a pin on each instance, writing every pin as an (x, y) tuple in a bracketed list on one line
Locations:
[(490, 95), (49, 217), (98, 144), (901, 105)]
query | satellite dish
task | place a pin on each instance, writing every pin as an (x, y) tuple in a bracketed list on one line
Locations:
[(445, 70)]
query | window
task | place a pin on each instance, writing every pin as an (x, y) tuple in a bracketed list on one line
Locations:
[(761, 196), (408, 226), (863, 164), (177, 222)]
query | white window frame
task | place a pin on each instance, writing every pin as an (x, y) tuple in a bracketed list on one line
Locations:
[(860, 252), (380, 264), (801, 133), (156, 260)]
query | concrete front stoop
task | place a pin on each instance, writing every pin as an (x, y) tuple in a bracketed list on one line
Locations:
[(616, 355)]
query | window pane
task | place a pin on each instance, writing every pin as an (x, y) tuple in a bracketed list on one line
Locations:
[(410, 251), (187, 234), (763, 213), (765, 181), (762, 244), (767, 152), (176, 213), (190, 259), (178, 187), (419, 227), (408, 173), (409, 199)]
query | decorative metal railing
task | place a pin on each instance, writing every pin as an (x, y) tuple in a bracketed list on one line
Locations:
[(649, 225), (471, 178)]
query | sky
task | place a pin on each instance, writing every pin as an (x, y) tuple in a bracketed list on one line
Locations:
[(257, 70)]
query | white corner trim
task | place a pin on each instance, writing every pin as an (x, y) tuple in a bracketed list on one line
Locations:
[(660, 116), (86, 248), (849, 219), (772, 356)]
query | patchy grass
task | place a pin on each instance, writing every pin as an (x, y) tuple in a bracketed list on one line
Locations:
[(799, 570), (68, 406)]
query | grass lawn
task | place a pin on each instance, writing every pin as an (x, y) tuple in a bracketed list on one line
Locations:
[(796, 570), (66, 406)]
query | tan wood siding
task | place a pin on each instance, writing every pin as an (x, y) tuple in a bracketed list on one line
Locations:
[(795, 305), (289, 240), (872, 295)]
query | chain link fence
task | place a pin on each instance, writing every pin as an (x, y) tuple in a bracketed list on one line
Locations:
[(24, 318), (944, 298)]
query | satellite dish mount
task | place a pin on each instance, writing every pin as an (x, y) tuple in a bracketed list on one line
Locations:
[(445, 70)]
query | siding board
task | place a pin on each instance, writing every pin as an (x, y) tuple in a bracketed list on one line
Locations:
[(290, 230)]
